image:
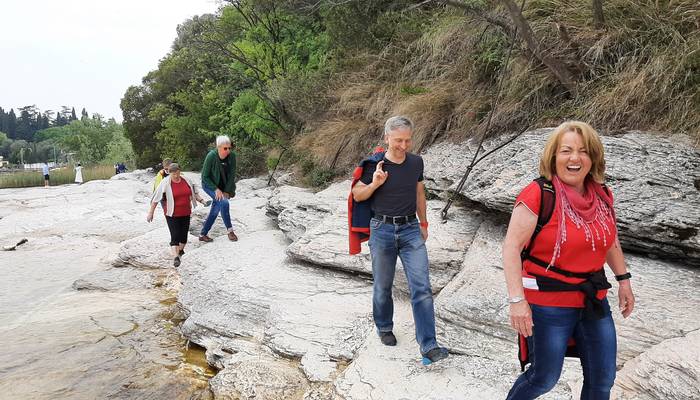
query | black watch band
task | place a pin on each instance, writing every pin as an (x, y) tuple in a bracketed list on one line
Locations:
[(623, 277)]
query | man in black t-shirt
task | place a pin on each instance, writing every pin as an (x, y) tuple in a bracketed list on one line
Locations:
[(395, 188)]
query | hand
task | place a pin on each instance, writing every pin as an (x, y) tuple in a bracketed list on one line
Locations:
[(379, 176), (424, 233), (626, 298), (218, 195), (149, 217), (521, 318)]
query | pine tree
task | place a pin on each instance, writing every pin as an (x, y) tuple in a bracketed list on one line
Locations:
[(3, 121), (73, 117), (84, 114), (11, 124)]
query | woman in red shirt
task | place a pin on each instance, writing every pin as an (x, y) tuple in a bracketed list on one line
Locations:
[(556, 285), (180, 196)]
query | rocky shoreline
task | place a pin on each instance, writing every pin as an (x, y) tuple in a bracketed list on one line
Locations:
[(285, 311), (77, 323)]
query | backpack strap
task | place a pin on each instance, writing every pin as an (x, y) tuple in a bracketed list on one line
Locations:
[(547, 201)]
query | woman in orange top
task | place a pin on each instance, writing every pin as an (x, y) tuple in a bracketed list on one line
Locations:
[(557, 286)]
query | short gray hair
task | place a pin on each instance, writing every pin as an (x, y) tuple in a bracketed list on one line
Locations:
[(222, 139), (397, 122), (173, 167)]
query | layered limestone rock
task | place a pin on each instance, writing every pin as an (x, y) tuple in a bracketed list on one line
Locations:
[(285, 312), (318, 225), (669, 370), (238, 294), (396, 373), (655, 181)]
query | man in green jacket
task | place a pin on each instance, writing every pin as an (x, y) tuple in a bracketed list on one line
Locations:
[(219, 182)]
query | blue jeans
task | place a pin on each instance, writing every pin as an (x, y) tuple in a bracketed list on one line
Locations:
[(386, 242), (217, 206), (596, 343)]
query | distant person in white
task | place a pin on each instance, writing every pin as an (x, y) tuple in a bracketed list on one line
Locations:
[(79, 174), (45, 171)]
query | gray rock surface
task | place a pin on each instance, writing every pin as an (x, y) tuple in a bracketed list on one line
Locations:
[(655, 181), (285, 312), (669, 370), (248, 293), (324, 242), (260, 377), (71, 325), (396, 373)]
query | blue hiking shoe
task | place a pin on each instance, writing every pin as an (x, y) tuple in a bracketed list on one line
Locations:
[(435, 355)]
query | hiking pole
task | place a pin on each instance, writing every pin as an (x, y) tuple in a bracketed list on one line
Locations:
[(494, 105)]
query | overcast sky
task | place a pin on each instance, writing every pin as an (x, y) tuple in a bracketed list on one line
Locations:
[(84, 53)]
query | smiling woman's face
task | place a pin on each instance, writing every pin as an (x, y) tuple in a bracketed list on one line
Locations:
[(572, 160)]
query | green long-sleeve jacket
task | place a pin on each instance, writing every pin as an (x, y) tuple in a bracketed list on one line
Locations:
[(211, 172)]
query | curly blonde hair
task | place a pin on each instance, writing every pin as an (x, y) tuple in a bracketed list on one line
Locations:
[(591, 141)]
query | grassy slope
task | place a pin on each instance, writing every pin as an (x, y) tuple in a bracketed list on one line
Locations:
[(642, 71)]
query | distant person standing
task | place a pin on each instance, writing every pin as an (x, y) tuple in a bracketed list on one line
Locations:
[(45, 171), (219, 182), (116, 169), (79, 174)]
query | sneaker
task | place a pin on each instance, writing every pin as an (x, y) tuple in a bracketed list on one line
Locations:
[(232, 237), (435, 355), (176, 261), (387, 338), (182, 252), (205, 239)]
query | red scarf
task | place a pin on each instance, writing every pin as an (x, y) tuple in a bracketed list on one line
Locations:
[(591, 211)]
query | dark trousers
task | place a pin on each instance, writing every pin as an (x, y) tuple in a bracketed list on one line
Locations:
[(179, 227)]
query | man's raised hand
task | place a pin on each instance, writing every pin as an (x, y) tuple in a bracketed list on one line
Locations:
[(379, 176)]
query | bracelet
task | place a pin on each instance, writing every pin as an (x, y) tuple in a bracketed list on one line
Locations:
[(515, 299), (424, 224), (623, 277)]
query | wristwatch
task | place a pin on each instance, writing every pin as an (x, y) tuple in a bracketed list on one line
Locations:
[(515, 299)]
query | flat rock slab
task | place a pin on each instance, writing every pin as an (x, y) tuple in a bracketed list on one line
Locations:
[(261, 377), (669, 370), (318, 226), (297, 210), (152, 250), (249, 291), (99, 209), (655, 181), (396, 373)]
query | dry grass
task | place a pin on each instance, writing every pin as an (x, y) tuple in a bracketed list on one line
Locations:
[(641, 72), (60, 176)]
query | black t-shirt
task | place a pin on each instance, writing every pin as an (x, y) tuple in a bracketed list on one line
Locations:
[(397, 196), (223, 169)]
